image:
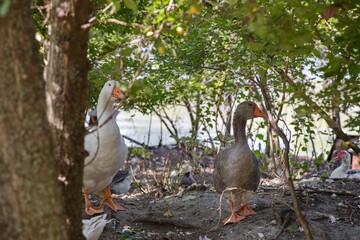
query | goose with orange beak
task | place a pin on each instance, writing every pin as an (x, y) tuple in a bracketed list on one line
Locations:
[(236, 170), (107, 151)]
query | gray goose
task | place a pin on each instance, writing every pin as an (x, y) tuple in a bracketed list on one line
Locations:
[(236, 169)]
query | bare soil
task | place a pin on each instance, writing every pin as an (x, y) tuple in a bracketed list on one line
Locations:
[(332, 207)]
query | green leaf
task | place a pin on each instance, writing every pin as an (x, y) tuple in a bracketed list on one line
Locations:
[(257, 152), (127, 51), (354, 70), (260, 136), (293, 227), (319, 159), (4, 7), (305, 165), (131, 5), (256, 46), (233, 2)]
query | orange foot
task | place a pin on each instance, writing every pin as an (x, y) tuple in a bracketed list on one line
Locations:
[(89, 209), (234, 217), (245, 210), (110, 202)]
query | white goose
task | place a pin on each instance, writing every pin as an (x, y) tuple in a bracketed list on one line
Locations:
[(343, 171), (107, 151)]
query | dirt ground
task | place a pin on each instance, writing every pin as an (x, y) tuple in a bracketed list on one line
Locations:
[(332, 207)]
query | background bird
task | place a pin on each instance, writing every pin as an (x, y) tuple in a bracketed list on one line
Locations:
[(344, 171), (122, 181)]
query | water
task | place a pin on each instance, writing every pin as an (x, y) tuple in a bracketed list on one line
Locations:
[(149, 130)]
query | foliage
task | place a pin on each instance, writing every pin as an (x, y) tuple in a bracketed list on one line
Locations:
[(208, 55), (140, 151)]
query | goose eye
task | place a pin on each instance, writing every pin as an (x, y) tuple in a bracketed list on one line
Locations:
[(109, 84)]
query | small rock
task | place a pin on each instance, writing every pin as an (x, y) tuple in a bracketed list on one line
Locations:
[(170, 234), (332, 219), (204, 238)]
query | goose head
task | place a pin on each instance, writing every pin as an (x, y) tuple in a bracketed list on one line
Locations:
[(248, 110), (111, 89), (245, 111), (109, 93), (344, 157)]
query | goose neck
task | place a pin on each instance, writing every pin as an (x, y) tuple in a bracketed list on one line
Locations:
[(104, 109), (239, 125)]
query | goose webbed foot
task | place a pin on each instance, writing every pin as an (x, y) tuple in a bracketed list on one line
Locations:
[(110, 202), (245, 210), (234, 217), (89, 209)]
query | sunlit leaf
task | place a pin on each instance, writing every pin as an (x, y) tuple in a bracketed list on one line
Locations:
[(256, 46), (131, 5)]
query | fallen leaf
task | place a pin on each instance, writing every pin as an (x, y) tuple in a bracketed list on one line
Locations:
[(168, 213)]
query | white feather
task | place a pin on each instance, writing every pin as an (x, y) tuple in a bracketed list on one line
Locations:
[(93, 227)]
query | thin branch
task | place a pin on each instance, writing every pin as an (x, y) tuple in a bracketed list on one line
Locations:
[(122, 23), (192, 117), (136, 142), (162, 119), (297, 210), (171, 122)]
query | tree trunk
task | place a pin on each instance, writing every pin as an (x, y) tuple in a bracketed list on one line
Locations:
[(31, 202), (66, 85)]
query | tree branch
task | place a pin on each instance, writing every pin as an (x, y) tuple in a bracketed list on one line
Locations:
[(316, 108), (122, 23), (300, 216)]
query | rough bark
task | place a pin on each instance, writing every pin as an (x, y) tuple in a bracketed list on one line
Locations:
[(66, 87), (31, 205)]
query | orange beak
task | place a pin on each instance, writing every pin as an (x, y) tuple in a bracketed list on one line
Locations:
[(117, 93), (258, 113)]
